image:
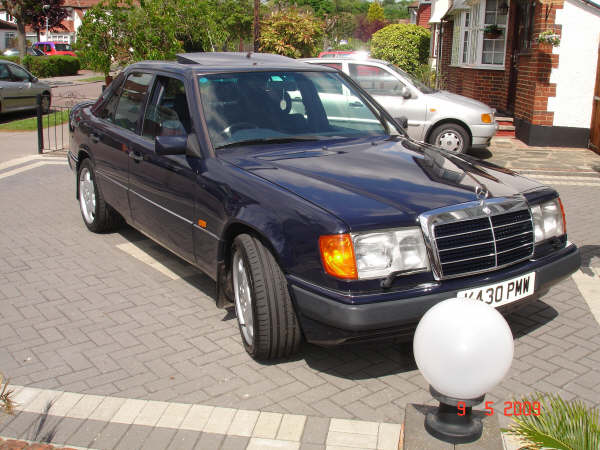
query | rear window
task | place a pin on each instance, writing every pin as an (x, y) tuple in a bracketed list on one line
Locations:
[(63, 47)]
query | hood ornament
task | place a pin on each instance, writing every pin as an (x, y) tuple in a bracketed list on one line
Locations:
[(481, 193)]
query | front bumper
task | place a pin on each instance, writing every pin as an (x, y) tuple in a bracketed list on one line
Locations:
[(326, 321), (483, 134)]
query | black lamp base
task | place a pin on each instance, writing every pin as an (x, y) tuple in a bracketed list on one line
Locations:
[(446, 424)]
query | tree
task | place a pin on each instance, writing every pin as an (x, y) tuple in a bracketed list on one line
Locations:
[(405, 45), (235, 17), (17, 9), (35, 15), (291, 32), (375, 13), (365, 27)]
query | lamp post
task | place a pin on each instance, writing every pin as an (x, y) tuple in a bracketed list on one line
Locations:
[(463, 348), (46, 8)]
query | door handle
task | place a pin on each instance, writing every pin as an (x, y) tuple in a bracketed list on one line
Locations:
[(95, 138), (136, 156), (356, 104)]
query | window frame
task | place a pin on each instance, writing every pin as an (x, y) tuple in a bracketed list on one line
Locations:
[(458, 47), (153, 94)]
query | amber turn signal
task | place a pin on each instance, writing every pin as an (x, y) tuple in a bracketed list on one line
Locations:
[(337, 254), (564, 217), (486, 118)]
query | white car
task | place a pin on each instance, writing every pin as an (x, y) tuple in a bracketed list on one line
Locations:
[(448, 120)]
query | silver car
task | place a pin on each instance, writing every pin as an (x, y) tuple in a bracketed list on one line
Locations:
[(18, 89), (448, 120)]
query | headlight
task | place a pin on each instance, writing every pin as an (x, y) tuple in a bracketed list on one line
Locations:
[(548, 220), (374, 254)]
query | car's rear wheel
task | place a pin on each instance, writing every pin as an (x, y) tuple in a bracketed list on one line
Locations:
[(451, 137), (265, 314), (97, 215)]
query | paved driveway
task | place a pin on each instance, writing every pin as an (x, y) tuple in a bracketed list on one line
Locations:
[(116, 315)]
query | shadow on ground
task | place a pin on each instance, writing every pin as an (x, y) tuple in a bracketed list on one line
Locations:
[(588, 254)]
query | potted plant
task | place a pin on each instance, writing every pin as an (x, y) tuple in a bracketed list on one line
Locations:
[(549, 37), (492, 32)]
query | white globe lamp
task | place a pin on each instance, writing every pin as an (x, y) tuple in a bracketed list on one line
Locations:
[(463, 348)]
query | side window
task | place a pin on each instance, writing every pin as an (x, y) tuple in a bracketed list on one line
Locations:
[(105, 106), (375, 80), (4, 73), (18, 73), (168, 113), (131, 101)]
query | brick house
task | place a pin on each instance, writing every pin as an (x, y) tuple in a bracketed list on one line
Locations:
[(419, 13), (75, 9), (548, 91)]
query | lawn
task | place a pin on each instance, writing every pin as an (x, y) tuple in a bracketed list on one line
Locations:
[(30, 124), (91, 79)]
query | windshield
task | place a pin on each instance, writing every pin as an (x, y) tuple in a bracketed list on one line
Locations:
[(275, 107), (62, 47), (418, 84)]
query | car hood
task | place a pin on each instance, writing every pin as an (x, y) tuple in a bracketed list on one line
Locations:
[(459, 100), (377, 184)]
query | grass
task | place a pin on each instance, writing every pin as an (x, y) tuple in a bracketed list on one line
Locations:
[(91, 79), (30, 124)]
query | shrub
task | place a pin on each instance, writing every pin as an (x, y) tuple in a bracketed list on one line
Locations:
[(405, 45), (291, 32), (51, 66), (15, 59)]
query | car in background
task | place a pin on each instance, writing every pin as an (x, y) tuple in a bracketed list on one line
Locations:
[(19, 89), (441, 118), (337, 54), (55, 48), (30, 52)]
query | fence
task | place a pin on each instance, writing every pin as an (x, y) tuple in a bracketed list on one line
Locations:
[(53, 127)]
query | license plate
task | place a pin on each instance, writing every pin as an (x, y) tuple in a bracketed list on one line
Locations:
[(500, 294)]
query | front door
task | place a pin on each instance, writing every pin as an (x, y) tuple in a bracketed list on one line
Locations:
[(521, 41), (595, 126), (387, 90), (162, 188)]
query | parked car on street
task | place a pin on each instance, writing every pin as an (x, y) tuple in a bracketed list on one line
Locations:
[(55, 48), (31, 51), (19, 89), (306, 202), (447, 120)]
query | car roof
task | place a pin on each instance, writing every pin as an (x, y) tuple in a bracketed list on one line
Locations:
[(340, 60), (228, 62)]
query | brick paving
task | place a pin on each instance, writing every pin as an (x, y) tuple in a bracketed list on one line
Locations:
[(78, 314)]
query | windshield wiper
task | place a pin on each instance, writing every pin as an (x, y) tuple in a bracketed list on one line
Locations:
[(274, 140)]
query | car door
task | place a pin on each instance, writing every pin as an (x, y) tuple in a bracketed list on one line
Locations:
[(113, 127), (9, 98), (24, 94), (387, 90), (162, 188)]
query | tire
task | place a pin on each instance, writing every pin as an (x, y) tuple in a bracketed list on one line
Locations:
[(267, 322), (97, 215), (451, 137), (46, 102)]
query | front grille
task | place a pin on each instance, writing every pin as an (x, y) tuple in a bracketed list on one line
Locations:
[(483, 244)]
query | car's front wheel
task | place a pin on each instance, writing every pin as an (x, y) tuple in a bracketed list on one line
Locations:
[(265, 314), (97, 215), (451, 137)]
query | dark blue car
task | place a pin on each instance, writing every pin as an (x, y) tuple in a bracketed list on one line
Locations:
[(305, 201)]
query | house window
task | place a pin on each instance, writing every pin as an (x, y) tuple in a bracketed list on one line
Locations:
[(471, 46), (10, 39), (60, 38)]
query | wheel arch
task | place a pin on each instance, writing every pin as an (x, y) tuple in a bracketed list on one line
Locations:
[(448, 120)]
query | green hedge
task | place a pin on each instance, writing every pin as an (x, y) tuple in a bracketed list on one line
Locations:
[(51, 66), (14, 59), (405, 45)]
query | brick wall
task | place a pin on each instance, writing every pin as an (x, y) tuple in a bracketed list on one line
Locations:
[(424, 14), (533, 85)]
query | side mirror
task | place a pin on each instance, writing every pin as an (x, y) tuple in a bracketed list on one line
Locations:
[(170, 145), (405, 92), (34, 79), (402, 121)]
